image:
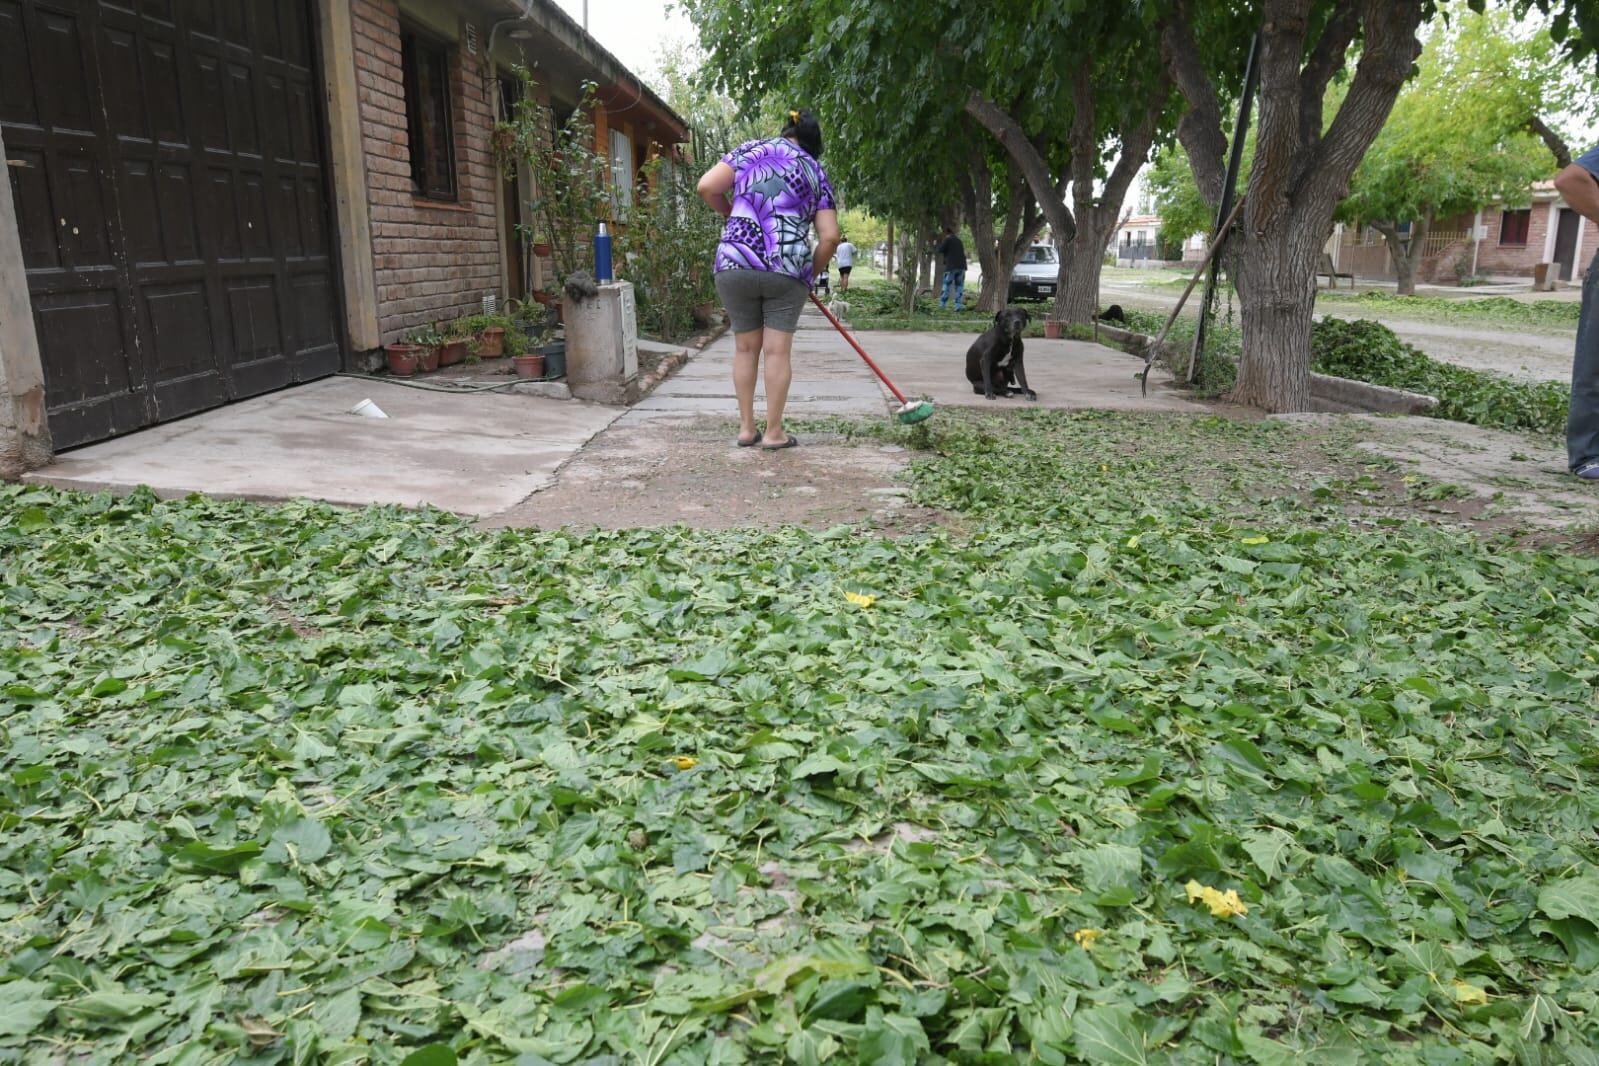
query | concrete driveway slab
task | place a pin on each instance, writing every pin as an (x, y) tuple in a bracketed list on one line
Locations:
[(473, 454), (1067, 375)]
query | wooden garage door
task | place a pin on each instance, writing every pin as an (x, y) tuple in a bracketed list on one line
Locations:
[(166, 161)]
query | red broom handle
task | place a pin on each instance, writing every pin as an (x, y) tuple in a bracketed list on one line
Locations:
[(900, 396)]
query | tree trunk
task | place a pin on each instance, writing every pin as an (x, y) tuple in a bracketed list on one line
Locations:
[(1302, 164), (888, 269), (1077, 291), (1276, 300), (977, 204), (1406, 251)]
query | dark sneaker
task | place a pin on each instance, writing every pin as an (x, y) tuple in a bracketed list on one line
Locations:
[(1588, 471)]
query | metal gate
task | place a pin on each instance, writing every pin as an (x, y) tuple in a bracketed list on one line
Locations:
[(167, 165)]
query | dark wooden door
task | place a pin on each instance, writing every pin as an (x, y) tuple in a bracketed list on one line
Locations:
[(1566, 242), (165, 157)]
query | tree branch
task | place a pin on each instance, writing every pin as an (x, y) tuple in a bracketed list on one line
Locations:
[(1328, 59), (1199, 129), (1137, 143), (1284, 24), (1389, 54), (1556, 144), (1014, 140)]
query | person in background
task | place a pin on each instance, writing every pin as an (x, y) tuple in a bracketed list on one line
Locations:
[(953, 253), (1579, 184), (771, 192), (846, 262)]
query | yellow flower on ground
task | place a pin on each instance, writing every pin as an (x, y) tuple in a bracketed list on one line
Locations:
[(1470, 995), (1085, 938), (860, 599), (1222, 904), (1132, 542), (1256, 540), (685, 762)]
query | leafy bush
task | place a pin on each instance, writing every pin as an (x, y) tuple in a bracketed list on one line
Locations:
[(571, 195), (1218, 367), (667, 250), (1369, 351)]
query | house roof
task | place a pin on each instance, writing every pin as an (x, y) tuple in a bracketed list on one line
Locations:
[(619, 88), (1140, 220)]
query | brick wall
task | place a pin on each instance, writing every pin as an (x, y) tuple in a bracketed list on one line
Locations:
[(1511, 259), (432, 261)]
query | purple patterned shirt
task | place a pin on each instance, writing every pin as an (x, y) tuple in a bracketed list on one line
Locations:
[(777, 190)]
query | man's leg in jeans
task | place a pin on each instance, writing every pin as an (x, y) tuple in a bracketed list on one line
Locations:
[(943, 293), (960, 287), (1582, 424)]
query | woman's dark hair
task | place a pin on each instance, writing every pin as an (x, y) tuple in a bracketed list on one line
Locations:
[(803, 127)]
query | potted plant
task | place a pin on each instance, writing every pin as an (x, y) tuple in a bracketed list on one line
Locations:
[(455, 344), (402, 357), (491, 339), (1054, 328), (530, 365), (430, 342)]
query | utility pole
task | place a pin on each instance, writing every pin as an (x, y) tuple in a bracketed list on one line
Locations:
[(585, 16)]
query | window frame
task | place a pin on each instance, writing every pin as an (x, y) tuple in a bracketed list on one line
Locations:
[(1525, 227), (621, 184), (415, 44)]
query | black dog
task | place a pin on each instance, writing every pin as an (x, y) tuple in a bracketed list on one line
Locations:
[(1113, 313), (994, 361)]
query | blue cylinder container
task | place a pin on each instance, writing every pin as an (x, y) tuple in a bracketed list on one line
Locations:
[(602, 254)]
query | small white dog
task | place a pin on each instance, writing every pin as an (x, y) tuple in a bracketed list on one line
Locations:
[(839, 306)]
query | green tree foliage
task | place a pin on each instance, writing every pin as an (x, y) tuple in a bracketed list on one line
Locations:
[(718, 124), (910, 91), (1460, 134), (1183, 211)]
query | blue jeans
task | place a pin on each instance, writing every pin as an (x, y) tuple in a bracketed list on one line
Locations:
[(1582, 424), (953, 279)]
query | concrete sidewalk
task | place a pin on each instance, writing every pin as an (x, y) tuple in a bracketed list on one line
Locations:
[(475, 454), (830, 379)]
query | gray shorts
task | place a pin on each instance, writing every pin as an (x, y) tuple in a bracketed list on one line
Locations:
[(757, 298)]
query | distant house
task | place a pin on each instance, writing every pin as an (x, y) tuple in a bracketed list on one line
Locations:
[(1497, 241), (1137, 243), (213, 199)]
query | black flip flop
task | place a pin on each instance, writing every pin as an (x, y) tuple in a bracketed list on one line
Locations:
[(791, 442), (748, 443)]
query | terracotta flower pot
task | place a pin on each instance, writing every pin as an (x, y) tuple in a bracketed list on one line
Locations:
[(428, 358), (402, 358), (492, 344), (529, 366), (543, 297), (542, 250), (452, 352), (1054, 329)]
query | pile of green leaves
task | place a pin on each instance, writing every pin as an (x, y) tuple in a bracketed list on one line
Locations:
[(1553, 314), (1371, 352), (300, 784)]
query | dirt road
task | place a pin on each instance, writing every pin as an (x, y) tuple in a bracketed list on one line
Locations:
[(1519, 351)]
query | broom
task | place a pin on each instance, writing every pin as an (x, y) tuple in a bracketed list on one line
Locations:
[(908, 412)]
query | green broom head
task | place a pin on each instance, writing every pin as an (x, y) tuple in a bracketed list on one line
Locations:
[(914, 411)]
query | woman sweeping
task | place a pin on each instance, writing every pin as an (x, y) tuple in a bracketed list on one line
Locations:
[(764, 264)]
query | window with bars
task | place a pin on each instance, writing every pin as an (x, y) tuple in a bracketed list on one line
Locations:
[(426, 64), (1513, 227)]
